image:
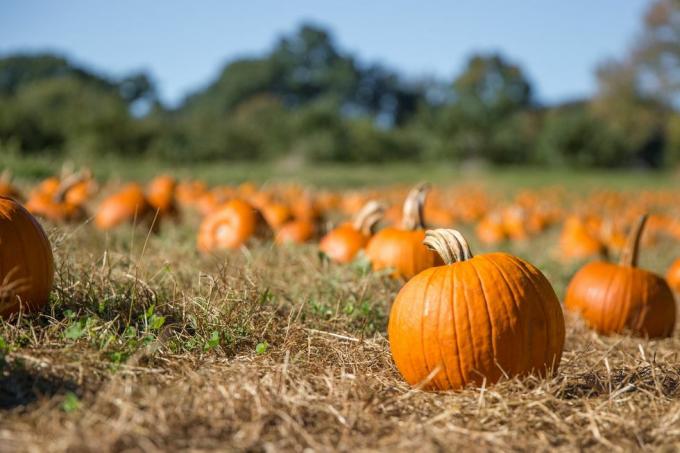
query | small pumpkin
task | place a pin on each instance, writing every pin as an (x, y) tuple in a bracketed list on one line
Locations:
[(297, 231), (578, 242), (474, 319), (401, 248), (160, 193), (230, 226), (276, 214), (125, 206), (615, 297), (26, 263), (344, 242), (673, 276), (52, 204)]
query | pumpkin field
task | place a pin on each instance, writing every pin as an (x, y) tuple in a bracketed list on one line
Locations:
[(156, 309)]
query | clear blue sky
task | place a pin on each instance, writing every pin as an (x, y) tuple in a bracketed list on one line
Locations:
[(184, 44)]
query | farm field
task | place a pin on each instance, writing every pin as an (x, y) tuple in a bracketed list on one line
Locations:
[(147, 344)]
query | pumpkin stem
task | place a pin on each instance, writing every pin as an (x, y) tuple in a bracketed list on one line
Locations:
[(414, 206), (6, 176), (368, 216), (449, 244), (629, 256)]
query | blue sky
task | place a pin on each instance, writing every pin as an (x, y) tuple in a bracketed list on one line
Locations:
[(184, 44)]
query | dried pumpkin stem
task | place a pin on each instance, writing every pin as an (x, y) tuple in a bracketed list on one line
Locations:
[(368, 216), (449, 244), (629, 256), (414, 206), (6, 176)]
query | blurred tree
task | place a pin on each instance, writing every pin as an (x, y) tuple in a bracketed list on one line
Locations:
[(481, 121), (571, 135)]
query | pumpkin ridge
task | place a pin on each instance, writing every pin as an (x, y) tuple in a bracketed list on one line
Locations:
[(450, 295), (611, 300), (518, 313), (454, 314), (636, 319), (471, 336), (425, 308), (515, 310), (521, 264), (442, 362), (488, 314)]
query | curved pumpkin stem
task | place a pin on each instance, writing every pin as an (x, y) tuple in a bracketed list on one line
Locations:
[(368, 216), (629, 256), (414, 206), (6, 176), (449, 244)]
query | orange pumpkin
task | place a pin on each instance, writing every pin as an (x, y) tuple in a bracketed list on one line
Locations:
[(230, 226), (127, 205), (26, 263), (490, 229), (295, 232), (81, 190), (344, 242), (673, 276), (613, 298), (475, 319), (160, 193), (401, 249), (51, 203), (578, 242), (276, 214)]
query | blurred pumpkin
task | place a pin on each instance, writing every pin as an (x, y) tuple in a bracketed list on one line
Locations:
[(474, 319), (613, 298), (52, 204), (276, 214), (296, 231), (128, 205), (577, 241), (26, 263), (344, 242), (673, 276), (230, 226), (160, 193)]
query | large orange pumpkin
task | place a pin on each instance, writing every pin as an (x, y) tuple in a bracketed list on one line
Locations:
[(230, 226), (401, 248), (673, 276), (613, 298), (26, 264), (475, 319), (344, 242), (127, 205)]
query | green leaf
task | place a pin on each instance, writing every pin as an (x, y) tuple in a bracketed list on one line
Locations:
[(71, 402), (75, 330), (261, 348), (213, 342)]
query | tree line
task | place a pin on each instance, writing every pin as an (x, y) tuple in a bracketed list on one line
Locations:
[(308, 99)]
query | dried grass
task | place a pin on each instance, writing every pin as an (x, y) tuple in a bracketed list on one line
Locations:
[(325, 380)]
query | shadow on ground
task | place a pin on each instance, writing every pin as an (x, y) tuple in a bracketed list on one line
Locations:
[(21, 386)]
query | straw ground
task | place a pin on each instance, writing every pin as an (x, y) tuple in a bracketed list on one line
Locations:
[(148, 346)]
